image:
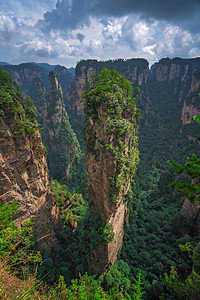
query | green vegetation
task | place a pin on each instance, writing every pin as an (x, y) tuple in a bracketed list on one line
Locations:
[(192, 169), (84, 288), (153, 234), (109, 101), (16, 241), (13, 104), (64, 157), (190, 287), (72, 206), (17, 256), (82, 231)]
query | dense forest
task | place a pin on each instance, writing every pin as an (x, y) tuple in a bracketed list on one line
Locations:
[(159, 257)]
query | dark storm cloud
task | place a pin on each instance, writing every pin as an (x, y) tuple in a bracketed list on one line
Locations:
[(159, 9), (71, 14)]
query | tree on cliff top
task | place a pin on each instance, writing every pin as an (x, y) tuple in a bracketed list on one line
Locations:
[(110, 103)]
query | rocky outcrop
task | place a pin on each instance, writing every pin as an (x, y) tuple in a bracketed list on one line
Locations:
[(190, 212), (173, 86), (168, 69), (24, 75), (111, 156), (24, 178), (23, 173), (191, 105), (65, 78), (63, 150), (135, 70), (175, 76), (189, 111)]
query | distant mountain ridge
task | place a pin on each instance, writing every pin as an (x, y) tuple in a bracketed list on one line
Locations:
[(2, 63), (25, 73)]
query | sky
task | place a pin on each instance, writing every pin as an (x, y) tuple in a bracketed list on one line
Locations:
[(66, 31)]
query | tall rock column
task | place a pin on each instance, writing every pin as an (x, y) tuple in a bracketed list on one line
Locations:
[(23, 168), (63, 150), (111, 156)]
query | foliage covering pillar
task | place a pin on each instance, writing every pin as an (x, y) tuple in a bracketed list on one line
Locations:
[(111, 156)]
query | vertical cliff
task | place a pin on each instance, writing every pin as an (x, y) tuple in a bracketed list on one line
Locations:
[(65, 78), (111, 156), (174, 87), (59, 138), (191, 108), (24, 75), (169, 83), (23, 165), (135, 70)]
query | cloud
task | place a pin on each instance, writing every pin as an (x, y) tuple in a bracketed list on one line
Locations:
[(72, 14), (166, 10), (77, 29), (38, 48), (113, 29), (7, 28), (178, 42), (13, 30), (6, 24), (30, 10)]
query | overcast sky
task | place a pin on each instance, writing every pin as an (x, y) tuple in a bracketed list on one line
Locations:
[(66, 31)]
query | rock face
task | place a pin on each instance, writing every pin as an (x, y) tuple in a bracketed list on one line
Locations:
[(58, 136), (24, 177), (191, 105), (174, 87), (64, 76), (190, 211), (169, 98), (135, 70), (111, 156), (24, 75)]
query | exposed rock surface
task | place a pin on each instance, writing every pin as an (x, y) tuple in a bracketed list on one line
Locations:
[(111, 155), (64, 76), (104, 255), (24, 177), (135, 70), (191, 105), (101, 169), (58, 136), (174, 85), (23, 168), (190, 211), (173, 79), (24, 75), (169, 93)]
